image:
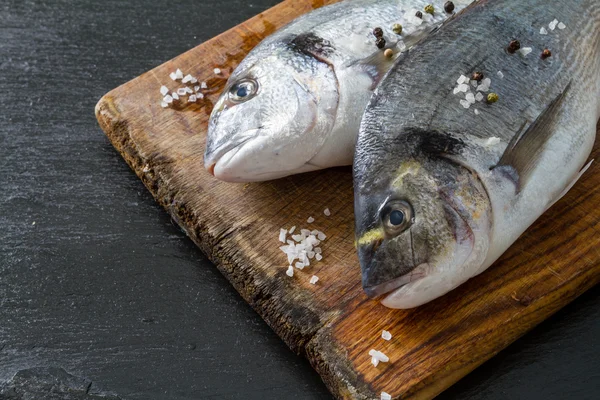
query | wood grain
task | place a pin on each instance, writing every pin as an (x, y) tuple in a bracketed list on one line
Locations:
[(333, 323)]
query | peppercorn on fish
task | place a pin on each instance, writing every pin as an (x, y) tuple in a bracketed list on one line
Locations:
[(442, 187), (294, 103)]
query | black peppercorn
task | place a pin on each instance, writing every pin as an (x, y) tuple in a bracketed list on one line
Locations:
[(449, 7), (380, 42), (419, 14), (513, 46), (378, 32)]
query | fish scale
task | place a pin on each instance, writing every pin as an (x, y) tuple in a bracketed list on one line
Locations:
[(416, 100)]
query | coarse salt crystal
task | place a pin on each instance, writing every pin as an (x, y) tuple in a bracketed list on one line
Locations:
[(290, 271), (164, 90), (282, 233), (474, 83), (192, 98), (297, 238), (500, 74), (310, 220), (379, 355), (200, 95), (314, 279), (188, 90), (318, 256), (386, 396), (164, 104), (292, 229), (476, 112), (196, 88), (374, 361), (465, 104), (543, 31), (175, 96), (203, 85), (552, 25), (317, 250), (187, 78), (310, 254), (463, 88), (321, 236), (168, 99), (470, 98), (300, 265), (462, 79), (456, 90), (492, 141), (327, 212), (561, 26), (217, 71), (179, 74), (385, 335), (173, 76), (181, 91), (194, 80), (525, 51), (479, 96)]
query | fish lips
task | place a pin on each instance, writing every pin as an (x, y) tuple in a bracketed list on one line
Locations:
[(379, 276)]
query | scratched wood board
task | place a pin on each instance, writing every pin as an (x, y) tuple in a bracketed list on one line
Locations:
[(332, 323)]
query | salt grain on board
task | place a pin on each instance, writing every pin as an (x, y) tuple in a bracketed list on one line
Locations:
[(314, 279), (168, 99), (164, 90), (465, 103), (290, 271), (310, 220), (386, 396), (173, 76), (181, 91), (164, 104), (192, 98), (327, 212), (552, 25), (379, 355), (187, 78), (374, 361), (543, 31), (282, 233), (385, 335), (217, 71), (561, 26), (203, 85), (476, 112), (292, 229), (175, 96), (179, 74), (500, 74), (479, 96)]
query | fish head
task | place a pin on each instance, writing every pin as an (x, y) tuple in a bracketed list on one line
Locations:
[(272, 118), (422, 225)]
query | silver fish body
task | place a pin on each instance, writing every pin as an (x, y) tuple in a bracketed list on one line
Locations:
[(440, 191), (294, 103)]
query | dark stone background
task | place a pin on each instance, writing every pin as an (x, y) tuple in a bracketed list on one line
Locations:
[(101, 295)]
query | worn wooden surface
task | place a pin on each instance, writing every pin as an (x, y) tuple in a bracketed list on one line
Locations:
[(332, 323)]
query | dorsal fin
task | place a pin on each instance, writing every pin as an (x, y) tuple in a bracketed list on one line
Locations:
[(524, 150)]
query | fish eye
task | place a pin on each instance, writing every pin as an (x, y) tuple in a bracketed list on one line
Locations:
[(243, 90), (396, 216)]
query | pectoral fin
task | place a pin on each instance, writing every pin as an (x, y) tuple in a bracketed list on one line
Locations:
[(524, 151)]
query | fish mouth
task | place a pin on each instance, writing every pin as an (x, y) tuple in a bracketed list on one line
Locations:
[(212, 158), (390, 287)]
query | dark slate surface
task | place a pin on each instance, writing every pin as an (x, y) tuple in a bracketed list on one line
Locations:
[(101, 295)]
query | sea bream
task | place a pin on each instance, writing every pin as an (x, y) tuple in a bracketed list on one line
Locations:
[(294, 103), (445, 183)]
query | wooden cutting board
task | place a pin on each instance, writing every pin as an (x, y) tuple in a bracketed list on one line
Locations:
[(332, 323)]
